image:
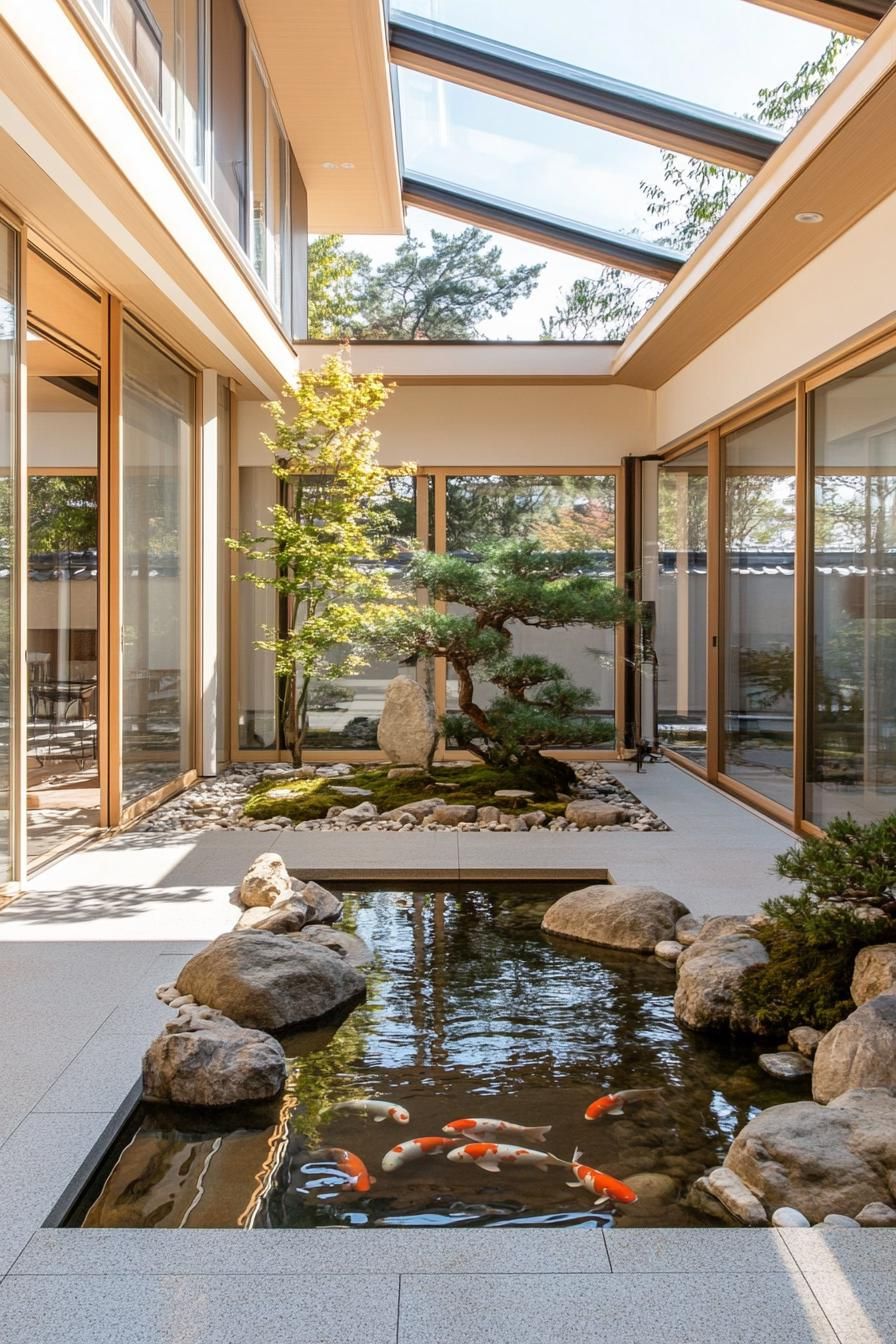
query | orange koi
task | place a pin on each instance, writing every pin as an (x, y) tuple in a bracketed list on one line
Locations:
[(481, 1129), (414, 1148), (357, 1175), (599, 1183), (615, 1102), (488, 1156)]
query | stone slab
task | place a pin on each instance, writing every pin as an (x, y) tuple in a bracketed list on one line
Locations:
[(696, 1250)]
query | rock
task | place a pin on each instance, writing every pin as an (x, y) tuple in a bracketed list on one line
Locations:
[(487, 816), (255, 915), (839, 1220), (820, 1159), (407, 731), (203, 1058), (699, 1197), (406, 772), (688, 928), (709, 973), (874, 972), (668, 950), (452, 814), (324, 907), (584, 812), (350, 791), (630, 918), (531, 819), (513, 796), (266, 879), (423, 808), (181, 1001), (805, 1039), (859, 1052), (737, 1198), (353, 816), (877, 1215), (720, 926), (348, 945), (653, 1187), (282, 919), (786, 1217), (269, 982), (785, 1064)]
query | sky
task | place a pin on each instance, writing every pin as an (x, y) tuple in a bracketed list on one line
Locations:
[(718, 53)]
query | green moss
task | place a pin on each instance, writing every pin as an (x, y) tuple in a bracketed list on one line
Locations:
[(811, 949), (311, 798)]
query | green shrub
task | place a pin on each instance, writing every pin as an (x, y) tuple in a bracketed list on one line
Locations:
[(811, 949), (850, 862)]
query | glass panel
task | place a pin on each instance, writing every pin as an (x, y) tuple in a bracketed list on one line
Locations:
[(157, 586), (852, 739), (760, 541), (562, 512), (185, 38), (257, 612), (681, 598), (62, 658), (259, 172), (546, 163), (688, 53), (141, 41), (228, 105), (277, 230), (222, 707), (9, 357)]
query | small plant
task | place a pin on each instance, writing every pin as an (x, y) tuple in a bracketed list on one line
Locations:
[(811, 950), (851, 863)]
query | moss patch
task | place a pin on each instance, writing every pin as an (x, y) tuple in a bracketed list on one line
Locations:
[(310, 799)]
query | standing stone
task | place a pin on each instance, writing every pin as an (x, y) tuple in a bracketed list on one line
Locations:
[(874, 972), (859, 1052), (630, 918), (266, 879), (203, 1058), (407, 731)]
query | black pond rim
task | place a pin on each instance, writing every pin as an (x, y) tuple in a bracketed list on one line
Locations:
[(104, 1147)]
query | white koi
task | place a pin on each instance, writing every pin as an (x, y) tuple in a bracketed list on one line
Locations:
[(378, 1110), (479, 1128), (488, 1156), (414, 1149)]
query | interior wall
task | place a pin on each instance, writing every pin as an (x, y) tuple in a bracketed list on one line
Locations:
[(846, 290), (495, 425)]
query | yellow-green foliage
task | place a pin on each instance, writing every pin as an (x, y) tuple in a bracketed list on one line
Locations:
[(311, 798)]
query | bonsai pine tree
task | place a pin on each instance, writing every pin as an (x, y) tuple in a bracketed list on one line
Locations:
[(537, 705), (324, 551)]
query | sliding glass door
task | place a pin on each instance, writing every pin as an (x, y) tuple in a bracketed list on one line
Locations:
[(9, 365)]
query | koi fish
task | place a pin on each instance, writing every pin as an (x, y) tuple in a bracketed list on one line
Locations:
[(614, 1103), (380, 1110), (354, 1170), (489, 1155), (599, 1183), (414, 1148), (480, 1129)]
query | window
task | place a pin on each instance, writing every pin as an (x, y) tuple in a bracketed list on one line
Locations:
[(140, 38), (259, 142), (228, 111), (9, 364)]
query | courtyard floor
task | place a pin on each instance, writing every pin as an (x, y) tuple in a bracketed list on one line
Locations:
[(80, 955)]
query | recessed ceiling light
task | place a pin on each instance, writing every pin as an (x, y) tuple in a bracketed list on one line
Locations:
[(808, 217), (346, 165), (328, 165)]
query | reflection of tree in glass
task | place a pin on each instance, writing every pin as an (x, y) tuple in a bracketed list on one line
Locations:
[(62, 513), (484, 509)]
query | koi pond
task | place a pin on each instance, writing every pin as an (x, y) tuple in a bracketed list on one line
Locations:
[(471, 1012)]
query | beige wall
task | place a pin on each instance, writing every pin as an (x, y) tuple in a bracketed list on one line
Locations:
[(848, 289), (502, 425)]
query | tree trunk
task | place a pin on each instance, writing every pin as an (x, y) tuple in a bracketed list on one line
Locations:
[(300, 721)]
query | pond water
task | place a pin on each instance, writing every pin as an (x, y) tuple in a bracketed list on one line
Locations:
[(471, 1011)]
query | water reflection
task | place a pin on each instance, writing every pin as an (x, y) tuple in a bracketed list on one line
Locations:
[(471, 1011)]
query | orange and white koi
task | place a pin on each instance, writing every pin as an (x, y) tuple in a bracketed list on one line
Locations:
[(489, 1156), (378, 1110), (354, 1170), (599, 1183), (414, 1148), (483, 1129), (614, 1103)]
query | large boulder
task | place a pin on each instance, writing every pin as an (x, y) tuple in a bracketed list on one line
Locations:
[(859, 1052), (203, 1058), (589, 812), (632, 918), (820, 1159), (709, 975), (873, 973), (407, 731), (268, 981), (266, 879)]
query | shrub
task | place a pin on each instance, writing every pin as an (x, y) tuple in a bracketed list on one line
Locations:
[(850, 862), (811, 949)]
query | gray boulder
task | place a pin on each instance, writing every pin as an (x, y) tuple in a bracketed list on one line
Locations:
[(267, 981), (266, 879), (203, 1058), (877, 1215), (820, 1159), (419, 810), (709, 974), (805, 1039), (687, 930), (873, 973), (859, 1052), (348, 945), (741, 1203), (283, 919), (785, 1064), (631, 918), (354, 816), (586, 812), (323, 906), (407, 731)]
